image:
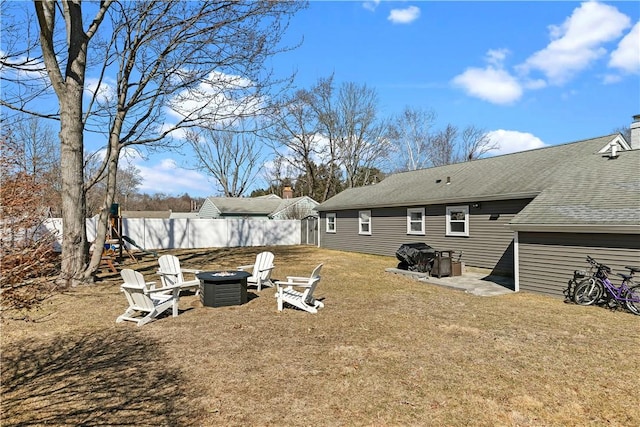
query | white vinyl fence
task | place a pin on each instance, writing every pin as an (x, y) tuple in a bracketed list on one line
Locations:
[(182, 233)]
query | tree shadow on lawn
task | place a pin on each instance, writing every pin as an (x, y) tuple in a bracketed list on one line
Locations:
[(112, 377)]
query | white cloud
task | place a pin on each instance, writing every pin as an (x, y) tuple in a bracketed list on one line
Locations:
[(578, 42), (533, 84), (220, 98), (575, 45), (611, 78), (22, 67), (627, 56), (164, 175), (404, 16), (490, 84), (511, 141), (496, 57), (371, 5), (173, 132), (104, 91), (167, 177)]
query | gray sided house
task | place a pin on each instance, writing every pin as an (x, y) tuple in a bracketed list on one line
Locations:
[(266, 207), (532, 215)]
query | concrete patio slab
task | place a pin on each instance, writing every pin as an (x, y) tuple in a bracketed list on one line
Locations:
[(472, 282)]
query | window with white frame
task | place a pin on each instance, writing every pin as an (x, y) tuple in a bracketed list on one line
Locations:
[(364, 222), (458, 221), (331, 223), (415, 221)]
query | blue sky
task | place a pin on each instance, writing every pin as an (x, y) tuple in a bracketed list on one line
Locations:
[(531, 73)]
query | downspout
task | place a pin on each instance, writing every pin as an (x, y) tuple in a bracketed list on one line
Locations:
[(516, 262)]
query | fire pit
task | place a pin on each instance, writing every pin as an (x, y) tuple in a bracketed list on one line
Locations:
[(222, 288)]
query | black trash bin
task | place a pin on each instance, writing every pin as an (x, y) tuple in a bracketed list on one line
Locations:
[(416, 257)]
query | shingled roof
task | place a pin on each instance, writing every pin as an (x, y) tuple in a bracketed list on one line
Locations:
[(267, 206), (595, 191), (572, 184), (245, 206)]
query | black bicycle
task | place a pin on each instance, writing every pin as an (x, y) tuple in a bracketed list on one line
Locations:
[(597, 288)]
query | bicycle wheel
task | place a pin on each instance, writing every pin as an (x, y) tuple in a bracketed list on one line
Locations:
[(587, 292), (633, 299)]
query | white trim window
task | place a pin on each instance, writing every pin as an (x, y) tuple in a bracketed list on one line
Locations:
[(415, 221), (331, 223), (364, 222), (458, 221)]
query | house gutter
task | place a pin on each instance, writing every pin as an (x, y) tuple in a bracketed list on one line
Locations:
[(441, 201), (577, 228)]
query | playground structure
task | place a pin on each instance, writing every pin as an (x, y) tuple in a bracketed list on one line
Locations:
[(114, 244)]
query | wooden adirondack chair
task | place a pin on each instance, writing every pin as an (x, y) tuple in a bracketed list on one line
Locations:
[(302, 299), (171, 274), (144, 300), (261, 274)]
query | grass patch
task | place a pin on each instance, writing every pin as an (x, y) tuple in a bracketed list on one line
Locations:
[(385, 350)]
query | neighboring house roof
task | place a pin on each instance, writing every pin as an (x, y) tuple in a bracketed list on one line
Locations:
[(510, 176), (291, 203), (145, 214), (184, 215), (244, 206), (268, 196), (267, 206)]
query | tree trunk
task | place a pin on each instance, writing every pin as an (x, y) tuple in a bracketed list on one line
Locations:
[(74, 241), (109, 199)]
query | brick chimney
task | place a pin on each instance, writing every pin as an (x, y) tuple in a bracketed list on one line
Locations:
[(287, 192), (635, 132)]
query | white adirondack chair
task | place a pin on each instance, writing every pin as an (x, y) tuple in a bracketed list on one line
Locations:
[(301, 299), (145, 302), (171, 274), (261, 274)]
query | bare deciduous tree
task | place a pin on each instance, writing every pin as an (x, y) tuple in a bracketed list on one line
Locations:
[(160, 67), (475, 144), (127, 184), (40, 149), (322, 132), (448, 146), (323, 104), (625, 131), (443, 146), (230, 158), (410, 137), (294, 138), (361, 143), (34, 139)]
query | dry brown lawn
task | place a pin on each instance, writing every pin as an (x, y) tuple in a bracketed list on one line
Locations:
[(385, 351)]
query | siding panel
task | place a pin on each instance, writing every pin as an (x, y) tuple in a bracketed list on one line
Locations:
[(547, 260), (489, 245)]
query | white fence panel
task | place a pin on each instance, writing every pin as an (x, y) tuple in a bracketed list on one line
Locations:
[(182, 233), (162, 233), (282, 232), (208, 233), (135, 231), (54, 226), (245, 232), (92, 228)]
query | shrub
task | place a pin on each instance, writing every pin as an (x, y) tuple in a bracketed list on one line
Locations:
[(28, 258)]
